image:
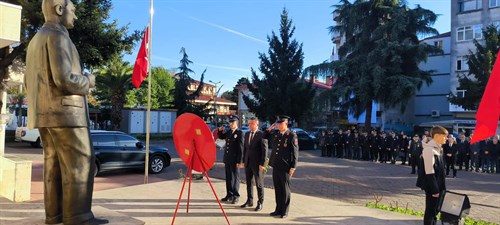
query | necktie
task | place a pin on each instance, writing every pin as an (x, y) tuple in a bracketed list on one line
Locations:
[(251, 136)]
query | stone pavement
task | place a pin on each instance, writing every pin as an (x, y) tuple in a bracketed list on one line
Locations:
[(330, 179), (155, 204)]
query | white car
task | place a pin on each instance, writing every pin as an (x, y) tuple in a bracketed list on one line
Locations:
[(26, 135)]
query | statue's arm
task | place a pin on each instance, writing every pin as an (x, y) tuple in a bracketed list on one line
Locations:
[(60, 50)]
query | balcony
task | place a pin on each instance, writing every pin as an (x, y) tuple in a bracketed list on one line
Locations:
[(10, 24)]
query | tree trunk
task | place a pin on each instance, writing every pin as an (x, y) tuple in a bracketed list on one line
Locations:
[(368, 117)]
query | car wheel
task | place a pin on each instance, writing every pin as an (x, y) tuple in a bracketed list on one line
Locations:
[(156, 164), (96, 169), (37, 144)]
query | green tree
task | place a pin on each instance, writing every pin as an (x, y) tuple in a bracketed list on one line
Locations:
[(161, 87), (96, 39), (112, 83), (183, 96), (480, 65), (380, 56), (281, 90)]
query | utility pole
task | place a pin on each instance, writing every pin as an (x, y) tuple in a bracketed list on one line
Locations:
[(215, 99)]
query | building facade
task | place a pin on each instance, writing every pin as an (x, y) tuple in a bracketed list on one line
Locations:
[(219, 106)]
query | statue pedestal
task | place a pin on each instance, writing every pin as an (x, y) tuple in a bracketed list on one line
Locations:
[(15, 178)]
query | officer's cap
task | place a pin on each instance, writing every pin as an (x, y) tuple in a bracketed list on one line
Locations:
[(283, 118), (233, 118), (416, 135)]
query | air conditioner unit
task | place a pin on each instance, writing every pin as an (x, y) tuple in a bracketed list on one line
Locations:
[(435, 113)]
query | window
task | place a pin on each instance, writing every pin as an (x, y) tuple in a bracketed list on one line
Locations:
[(438, 44), (461, 93), (470, 32), (462, 63), (494, 3), (468, 5), (103, 140), (126, 141)]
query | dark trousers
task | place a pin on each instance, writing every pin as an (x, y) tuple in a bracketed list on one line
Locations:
[(450, 162), (394, 155), (404, 155), (463, 159), (431, 208), (281, 180), (414, 162), (253, 173), (323, 150), (329, 150), (69, 166), (340, 150), (232, 180)]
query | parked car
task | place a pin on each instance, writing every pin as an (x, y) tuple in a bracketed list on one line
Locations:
[(113, 150), (118, 150), (306, 141), (28, 135)]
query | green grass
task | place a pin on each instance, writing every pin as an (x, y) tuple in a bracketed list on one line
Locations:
[(468, 221)]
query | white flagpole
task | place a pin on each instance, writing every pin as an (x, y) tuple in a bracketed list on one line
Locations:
[(148, 114)]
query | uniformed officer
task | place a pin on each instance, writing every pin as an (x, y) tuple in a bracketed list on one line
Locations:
[(283, 159), (233, 157)]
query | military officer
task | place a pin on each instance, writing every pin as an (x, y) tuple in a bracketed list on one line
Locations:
[(233, 157), (283, 159)]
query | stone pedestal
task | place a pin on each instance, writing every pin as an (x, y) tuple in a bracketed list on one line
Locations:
[(15, 178)]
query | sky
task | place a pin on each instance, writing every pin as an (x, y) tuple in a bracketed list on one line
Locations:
[(225, 36)]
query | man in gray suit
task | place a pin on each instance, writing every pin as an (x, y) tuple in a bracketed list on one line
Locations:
[(57, 106), (254, 159)]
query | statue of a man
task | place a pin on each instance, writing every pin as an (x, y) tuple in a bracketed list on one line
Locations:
[(57, 106)]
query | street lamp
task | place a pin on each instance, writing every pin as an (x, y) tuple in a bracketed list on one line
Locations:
[(215, 98)]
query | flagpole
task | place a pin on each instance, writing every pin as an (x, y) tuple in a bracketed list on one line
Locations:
[(148, 113)]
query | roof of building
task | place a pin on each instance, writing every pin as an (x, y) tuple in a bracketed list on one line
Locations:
[(447, 34), (204, 98)]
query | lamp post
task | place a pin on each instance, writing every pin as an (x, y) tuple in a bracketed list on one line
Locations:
[(215, 98)]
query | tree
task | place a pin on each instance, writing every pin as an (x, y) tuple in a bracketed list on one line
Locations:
[(112, 84), (183, 96), (96, 39), (480, 65), (281, 91), (161, 87), (380, 56)]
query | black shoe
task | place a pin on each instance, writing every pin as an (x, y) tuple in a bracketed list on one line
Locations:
[(234, 200), (284, 216), (96, 221), (227, 199), (247, 204), (274, 213), (259, 207), (412, 173)]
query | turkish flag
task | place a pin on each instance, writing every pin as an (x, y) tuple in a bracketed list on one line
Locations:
[(141, 63), (489, 109)]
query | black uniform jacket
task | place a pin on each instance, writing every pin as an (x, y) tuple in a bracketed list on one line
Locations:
[(233, 152), (285, 149)]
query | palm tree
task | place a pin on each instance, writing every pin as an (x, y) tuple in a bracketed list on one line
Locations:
[(112, 84)]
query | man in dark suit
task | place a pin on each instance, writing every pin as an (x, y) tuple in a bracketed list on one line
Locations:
[(283, 159), (254, 160), (450, 156), (233, 156), (415, 152), (57, 102)]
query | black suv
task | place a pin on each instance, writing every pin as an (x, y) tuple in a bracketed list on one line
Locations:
[(117, 150)]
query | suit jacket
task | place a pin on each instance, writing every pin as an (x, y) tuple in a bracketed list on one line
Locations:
[(233, 152), (255, 150), (285, 149), (56, 88)]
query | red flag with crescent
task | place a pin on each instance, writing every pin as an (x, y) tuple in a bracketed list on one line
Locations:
[(141, 63)]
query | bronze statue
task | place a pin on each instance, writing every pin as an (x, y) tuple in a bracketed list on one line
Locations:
[(57, 106)]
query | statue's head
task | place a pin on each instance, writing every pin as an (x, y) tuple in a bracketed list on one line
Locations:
[(59, 11)]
